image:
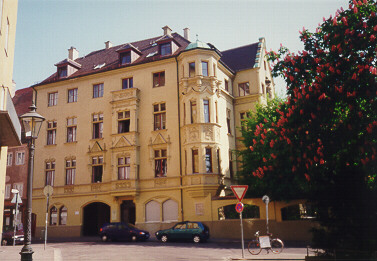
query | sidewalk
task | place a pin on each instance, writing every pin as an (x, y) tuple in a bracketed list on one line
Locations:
[(12, 253)]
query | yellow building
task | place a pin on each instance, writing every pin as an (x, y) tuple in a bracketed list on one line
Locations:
[(142, 132), (10, 128)]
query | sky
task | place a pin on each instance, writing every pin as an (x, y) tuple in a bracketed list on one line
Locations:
[(46, 29)]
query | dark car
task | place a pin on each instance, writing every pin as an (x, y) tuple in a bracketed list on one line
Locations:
[(122, 232), (7, 237), (187, 230)]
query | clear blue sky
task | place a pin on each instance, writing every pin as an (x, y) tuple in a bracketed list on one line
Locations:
[(47, 29)]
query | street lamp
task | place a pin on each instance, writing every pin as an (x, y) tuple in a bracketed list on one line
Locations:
[(32, 123)]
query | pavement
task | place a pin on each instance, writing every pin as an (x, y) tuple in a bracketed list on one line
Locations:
[(93, 249)]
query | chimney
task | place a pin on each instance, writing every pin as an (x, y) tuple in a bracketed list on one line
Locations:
[(167, 30), (186, 33), (108, 44), (73, 54)]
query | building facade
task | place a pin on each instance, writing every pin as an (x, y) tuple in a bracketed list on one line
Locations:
[(142, 132), (10, 128)]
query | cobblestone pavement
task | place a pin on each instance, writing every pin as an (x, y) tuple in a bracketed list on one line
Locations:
[(149, 251)]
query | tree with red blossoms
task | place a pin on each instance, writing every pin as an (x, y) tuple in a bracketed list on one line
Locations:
[(324, 142)]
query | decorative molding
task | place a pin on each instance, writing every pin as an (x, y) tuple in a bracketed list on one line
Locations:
[(69, 190), (160, 182), (96, 187), (123, 185)]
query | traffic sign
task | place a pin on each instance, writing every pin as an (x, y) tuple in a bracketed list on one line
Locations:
[(16, 199), (239, 191), (239, 207), (48, 190)]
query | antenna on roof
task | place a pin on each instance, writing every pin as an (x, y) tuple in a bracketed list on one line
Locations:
[(197, 39)]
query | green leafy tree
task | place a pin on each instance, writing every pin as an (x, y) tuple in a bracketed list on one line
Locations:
[(323, 142)]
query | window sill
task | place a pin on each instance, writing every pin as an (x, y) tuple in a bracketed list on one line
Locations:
[(164, 130), (157, 86), (71, 142), (51, 145), (97, 139)]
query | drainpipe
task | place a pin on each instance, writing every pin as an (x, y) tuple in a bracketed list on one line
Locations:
[(179, 139)]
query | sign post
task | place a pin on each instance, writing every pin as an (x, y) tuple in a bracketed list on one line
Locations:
[(266, 200), (240, 191), (48, 190), (16, 199)]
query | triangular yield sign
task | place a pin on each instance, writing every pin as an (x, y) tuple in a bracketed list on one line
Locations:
[(239, 191)]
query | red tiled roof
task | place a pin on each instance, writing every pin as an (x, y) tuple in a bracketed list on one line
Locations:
[(22, 100)]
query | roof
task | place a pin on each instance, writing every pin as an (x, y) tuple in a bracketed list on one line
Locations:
[(240, 58), (22, 100), (110, 57), (236, 59)]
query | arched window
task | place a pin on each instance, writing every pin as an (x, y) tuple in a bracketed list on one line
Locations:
[(152, 211), (170, 210), (63, 216), (53, 216)]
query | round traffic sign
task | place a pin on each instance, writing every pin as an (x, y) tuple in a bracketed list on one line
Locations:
[(48, 190), (239, 207)]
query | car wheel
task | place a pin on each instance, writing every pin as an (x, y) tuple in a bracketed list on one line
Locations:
[(196, 239), (4, 242), (164, 238), (104, 238), (133, 238)]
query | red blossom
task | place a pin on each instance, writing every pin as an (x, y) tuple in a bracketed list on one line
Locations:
[(321, 162), (251, 148), (307, 177)]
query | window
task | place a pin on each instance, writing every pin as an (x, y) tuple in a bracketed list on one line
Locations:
[(128, 83), (193, 111), (231, 173), (70, 171), (98, 90), (159, 79), (51, 132), (10, 155), (72, 95), (7, 186), (170, 210), (124, 168), (204, 68), (50, 173), (226, 83), (125, 58), (243, 117), (206, 111), (71, 129), (63, 216), (53, 99), (208, 159), (152, 211), (19, 187), (123, 121), (191, 69), (97, 121), (20, 158), (97, 169), (195, 161), (159, 111), (53, 216), (217, 117), (244, 88), (62, 72), (228, 121), (160, 160), (165, 48)]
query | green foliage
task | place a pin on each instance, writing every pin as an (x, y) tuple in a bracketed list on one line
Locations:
[(324, 137)]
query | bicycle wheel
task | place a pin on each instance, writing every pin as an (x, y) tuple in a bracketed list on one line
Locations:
[(276, 245), (254, 247)]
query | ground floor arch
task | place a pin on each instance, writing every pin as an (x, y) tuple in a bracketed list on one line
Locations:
[(94, 216)]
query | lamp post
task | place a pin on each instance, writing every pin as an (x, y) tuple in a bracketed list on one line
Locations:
[(32, 123)]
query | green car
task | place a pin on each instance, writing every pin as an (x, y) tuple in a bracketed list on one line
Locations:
[(195, 231)]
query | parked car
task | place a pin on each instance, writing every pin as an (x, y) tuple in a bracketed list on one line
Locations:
[(187, 230), (120, 231), (7, 237)]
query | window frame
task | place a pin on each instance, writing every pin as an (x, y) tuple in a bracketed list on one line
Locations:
[(63, 209), (193, 112), (124, 166), (160, 80), (51, 132), (17, 161), (98, 90), (71, 127), (70, 171), (125, 55), (126, 117), (97, 126), (129, 82), (160, 159), (192, 70), (206, 111), (96, 163), (72, 97), (50, 167), (159, 116), (53, 210), (205, 71), (244, 86), (195, 160), (208, 160), (228, 121), (166, 49), (52, 99), (62, 72), (9, 155)]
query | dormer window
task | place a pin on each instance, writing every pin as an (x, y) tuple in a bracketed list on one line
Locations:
[(165, 49), (125, 58), (62, 72)]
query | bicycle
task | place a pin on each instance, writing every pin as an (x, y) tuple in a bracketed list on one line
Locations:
[(255, 246)]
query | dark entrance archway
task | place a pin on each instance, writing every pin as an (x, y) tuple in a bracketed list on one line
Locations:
[(127, 212), (95, 215)]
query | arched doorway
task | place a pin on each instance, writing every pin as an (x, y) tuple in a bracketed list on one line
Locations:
[(95, 215)]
